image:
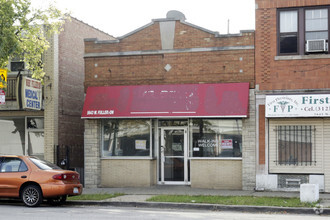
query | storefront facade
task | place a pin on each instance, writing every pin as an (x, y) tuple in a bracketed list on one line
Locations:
[(22, 123), (292, 94), (170, 103), (298, 127), (168, 134)]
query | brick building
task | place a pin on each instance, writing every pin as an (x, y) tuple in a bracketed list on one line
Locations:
[(170, 103), (58, 123), (292, 94)]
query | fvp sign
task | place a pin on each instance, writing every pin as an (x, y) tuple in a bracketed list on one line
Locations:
[(30, 92), (307, 105)]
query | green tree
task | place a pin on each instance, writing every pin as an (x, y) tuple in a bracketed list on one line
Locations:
[(24, 32)]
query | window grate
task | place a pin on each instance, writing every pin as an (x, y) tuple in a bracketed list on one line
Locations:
[(11, 89), (295, 145)]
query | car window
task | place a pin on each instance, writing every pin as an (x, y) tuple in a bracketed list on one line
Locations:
[(22, 167), (12, 165), (44, 165)]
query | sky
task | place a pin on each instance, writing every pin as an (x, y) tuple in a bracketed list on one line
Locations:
[(119, 17)]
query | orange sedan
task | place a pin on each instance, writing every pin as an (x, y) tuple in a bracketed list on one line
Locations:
[(34, 180)]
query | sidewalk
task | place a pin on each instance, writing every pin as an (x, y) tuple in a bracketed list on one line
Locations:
[(136, 197)]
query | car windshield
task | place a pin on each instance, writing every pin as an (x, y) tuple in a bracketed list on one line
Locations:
[(44, 165)]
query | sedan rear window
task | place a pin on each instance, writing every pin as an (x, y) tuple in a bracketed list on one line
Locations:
[(44, 165), (9, 165)]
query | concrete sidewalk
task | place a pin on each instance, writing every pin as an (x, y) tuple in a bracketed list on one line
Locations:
[(136, 197)]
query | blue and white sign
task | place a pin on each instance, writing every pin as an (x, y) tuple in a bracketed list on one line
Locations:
[(31, 93), (307, 105)]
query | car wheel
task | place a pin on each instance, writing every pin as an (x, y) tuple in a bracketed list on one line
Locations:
[(57, 201), (32, 196)]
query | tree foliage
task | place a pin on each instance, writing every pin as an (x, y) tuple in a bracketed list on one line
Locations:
[(25, 33)]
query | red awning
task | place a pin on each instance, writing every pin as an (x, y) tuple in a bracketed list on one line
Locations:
[(183, 100)]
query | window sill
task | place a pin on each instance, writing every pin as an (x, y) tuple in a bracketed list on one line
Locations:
[(215, 158), (303, 57), (127, 158)]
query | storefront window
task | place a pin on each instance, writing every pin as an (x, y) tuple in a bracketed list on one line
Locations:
[(35, 123), (35, 136), (216, 138), (36, 144), (126, 137), (295, 144), (12, 133), (168, 123), (22, 136)]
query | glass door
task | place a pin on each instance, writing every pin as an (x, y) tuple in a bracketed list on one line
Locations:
[(34, 135), (173, 156)]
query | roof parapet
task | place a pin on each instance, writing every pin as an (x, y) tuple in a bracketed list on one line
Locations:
[(97, 41), (172, 15)]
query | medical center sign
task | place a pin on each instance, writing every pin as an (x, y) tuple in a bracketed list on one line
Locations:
[(308, 105), (31, 93)]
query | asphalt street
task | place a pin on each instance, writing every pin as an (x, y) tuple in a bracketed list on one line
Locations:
[(17, 211)]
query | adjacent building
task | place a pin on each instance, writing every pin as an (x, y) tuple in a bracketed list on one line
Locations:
[(170, 103), (292, 94), (29, 132)]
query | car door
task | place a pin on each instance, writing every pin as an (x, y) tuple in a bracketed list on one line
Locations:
[(13, 173)]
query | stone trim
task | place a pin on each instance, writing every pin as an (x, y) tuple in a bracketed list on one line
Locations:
[(160, 52)]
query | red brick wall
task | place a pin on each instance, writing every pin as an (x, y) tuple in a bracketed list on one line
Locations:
[(71, 79), (289, 3), (191, 67), (262, 145), (188, 37), (274, 74)]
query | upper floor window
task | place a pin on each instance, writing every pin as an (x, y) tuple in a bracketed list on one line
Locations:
[(289, 32), (303, 31), (316, 24), (17, 64)]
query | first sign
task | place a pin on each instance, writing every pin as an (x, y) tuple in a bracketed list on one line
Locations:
[(3, 76)]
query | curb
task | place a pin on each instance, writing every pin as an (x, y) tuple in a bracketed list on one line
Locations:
[(199, 206)]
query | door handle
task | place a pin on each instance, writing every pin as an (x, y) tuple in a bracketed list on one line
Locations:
[(23, 177)]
